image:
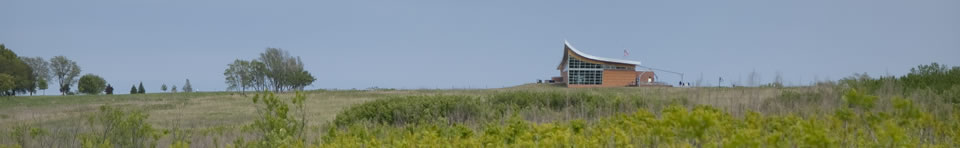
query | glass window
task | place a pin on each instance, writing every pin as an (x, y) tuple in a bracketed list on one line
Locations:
[(589, 77)]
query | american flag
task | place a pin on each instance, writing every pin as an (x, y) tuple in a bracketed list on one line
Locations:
[(625, 53)]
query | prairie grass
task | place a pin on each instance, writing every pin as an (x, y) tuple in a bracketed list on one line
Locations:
[(221, 119)]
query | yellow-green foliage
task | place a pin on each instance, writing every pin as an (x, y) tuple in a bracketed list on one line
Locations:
[(121, 128), (278, 125), (609, 117), (676, 126)]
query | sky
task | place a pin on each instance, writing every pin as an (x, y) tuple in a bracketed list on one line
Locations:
[(483, 44)]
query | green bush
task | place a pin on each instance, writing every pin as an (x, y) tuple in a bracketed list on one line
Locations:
[(933, 76), (121, 128), (278, 124), (859, 100), (953, 94), (91, 84), (412, 109), (462, 109), (701, 126), (855, 124)]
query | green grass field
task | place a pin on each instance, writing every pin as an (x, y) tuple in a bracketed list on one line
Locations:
[(595, 117), (210, 109)]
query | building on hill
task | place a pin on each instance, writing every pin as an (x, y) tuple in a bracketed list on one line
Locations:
[(578, 69)]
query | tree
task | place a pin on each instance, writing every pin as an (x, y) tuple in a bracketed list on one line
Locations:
[(66, 89), (258, 75), (41, 72), (42, 85), (285, 72), (163, 87), (108, 90), (140, 89), (66, 72), (300, 80), (236, 75), (6, 83), (934, 76), (91, 84), (20, 73), (187, 87), (173, 89), (133, 89)]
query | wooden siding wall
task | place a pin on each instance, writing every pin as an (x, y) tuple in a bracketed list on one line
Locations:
[(619, 77)]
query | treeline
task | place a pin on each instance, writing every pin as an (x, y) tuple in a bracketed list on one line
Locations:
[(275, 70), (26, 75), (934, 78)]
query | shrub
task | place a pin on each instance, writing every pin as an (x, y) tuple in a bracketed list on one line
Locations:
[(91, 84), (121, 128), (278, 125), (677, 126), (412, 109), (859, 100)]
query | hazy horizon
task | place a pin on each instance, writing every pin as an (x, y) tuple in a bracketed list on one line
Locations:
[(482, 44)]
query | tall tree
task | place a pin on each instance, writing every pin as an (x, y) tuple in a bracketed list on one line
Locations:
[(108, 90), (240, 75), (66, 72), (234, 75), (20, 73), (285, 72), (258, 75), (187, 87), (133, 89), (91, 84), (140, 89), (41, 72), (163, 87), (6, 83), (173, 89)]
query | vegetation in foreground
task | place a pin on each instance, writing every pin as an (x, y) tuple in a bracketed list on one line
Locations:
[(855, 112), (447, 121)]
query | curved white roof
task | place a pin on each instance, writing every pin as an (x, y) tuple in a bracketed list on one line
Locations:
[(585, 55)]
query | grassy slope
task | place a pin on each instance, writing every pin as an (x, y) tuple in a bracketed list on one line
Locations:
[(209, 109), (208, 112), (185, 110)]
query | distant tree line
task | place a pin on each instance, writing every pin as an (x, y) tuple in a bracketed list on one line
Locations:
[(26, 75), (187, 87), (275, 69), (934, 78), (15, 75)]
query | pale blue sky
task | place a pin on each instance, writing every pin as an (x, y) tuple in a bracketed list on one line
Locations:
[(478, 44)]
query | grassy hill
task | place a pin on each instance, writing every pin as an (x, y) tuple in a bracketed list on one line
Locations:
[(482, 117), (208, 109)]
